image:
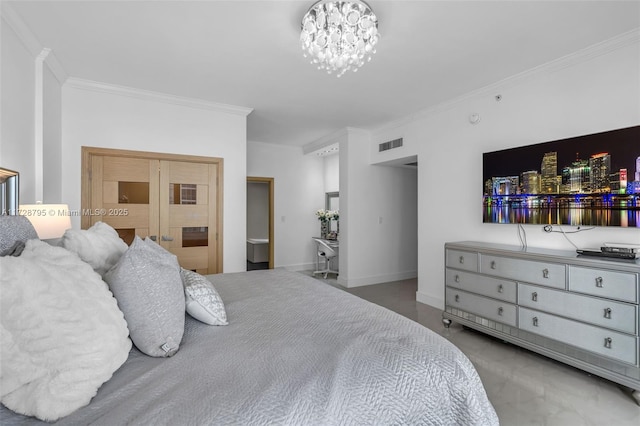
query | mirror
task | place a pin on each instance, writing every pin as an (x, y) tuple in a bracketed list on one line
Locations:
[(332, 202)]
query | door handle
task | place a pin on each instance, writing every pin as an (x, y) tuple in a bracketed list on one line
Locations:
[(167, 238)]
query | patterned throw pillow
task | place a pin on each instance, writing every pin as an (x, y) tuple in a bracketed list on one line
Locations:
[(202, 300)]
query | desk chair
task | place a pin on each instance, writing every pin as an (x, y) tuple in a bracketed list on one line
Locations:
[(328, 253)]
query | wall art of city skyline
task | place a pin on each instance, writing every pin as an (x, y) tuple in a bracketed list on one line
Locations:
[(590, 180)]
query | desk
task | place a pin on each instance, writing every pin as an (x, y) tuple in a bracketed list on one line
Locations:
[(331, 261)]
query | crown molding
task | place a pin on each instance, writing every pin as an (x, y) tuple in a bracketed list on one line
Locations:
[(18, 26), (31, 43), (326, 141), (95, 86), (607, 46), (56, 68)]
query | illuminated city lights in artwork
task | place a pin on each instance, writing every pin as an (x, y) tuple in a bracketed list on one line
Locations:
[(578, 181)]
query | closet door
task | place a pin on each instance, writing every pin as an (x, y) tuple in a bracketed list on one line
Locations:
[(125, 195), (188, 206), (173, 199)]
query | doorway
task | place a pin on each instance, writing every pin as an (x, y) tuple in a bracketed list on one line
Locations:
[(260, 228)]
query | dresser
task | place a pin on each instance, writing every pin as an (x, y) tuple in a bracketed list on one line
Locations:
[(579, 310)]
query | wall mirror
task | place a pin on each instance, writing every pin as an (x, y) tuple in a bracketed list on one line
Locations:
[(332, 202)]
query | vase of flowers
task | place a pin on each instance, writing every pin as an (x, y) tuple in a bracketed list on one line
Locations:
[(324, 222), (325, 216)]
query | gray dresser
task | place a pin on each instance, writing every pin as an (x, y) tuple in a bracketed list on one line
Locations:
[(580, 310)]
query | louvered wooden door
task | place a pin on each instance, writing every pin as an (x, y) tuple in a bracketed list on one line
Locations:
[(175, 200)]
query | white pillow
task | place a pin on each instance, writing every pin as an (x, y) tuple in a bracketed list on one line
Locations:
[(99, 246), (62, 334), (202, 300)]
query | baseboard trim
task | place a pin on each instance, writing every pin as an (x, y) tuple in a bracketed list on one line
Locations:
[(378, 279), (435, 302), (299, 267)]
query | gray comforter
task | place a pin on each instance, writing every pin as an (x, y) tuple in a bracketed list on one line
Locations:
[(296, 351)]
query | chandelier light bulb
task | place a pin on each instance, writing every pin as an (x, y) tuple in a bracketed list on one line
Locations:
[(339, 35)]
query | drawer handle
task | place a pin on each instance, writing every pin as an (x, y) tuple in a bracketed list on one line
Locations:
[(457, 298), (461, 259), (457, 278), (500, 311), (493, 264), (607, 313), (607, 342), (535, 321), (545, 273), (599, 282), (534, 296), (500, 289)]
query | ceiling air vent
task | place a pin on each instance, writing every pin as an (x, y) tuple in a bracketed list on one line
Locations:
[(396, 143)]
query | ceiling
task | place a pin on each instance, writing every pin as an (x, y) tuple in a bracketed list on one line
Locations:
[(247, 53)]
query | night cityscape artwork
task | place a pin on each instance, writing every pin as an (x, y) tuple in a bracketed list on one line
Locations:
[(591, 180)]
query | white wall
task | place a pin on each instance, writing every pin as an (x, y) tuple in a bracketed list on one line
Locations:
[(257, 210), (18, 105), (590, 92), (52, 139), (331, 164), (378, 219), (126, 119), (26, 87), (298, 193)]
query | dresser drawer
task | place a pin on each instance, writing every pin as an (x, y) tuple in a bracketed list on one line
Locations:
[(488, 308), (589, 337), (547, 274), (465, 260), (480, 284), (604, 283), (603, 312)]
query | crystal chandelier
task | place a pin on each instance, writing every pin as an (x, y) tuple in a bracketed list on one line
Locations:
[(339, 35)]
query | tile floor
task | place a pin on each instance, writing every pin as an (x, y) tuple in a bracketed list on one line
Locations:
[(525, 388)]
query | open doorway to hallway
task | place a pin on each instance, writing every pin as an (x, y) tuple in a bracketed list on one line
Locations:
[(260, 235)]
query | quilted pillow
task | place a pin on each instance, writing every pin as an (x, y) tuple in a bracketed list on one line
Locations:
[(99, 246), (62, 334), (202, 300), (147, 285), (14, 233)]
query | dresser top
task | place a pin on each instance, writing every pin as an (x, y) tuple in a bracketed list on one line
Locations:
[(545, 254)]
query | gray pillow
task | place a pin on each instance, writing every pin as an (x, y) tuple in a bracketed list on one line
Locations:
[(146, 283), (14, 232)]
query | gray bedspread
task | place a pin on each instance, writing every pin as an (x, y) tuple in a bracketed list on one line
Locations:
[(296, 351)]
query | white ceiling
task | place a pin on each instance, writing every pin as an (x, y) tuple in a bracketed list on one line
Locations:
[(247, 53)]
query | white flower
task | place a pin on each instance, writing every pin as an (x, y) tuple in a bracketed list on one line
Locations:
[(322, 215), (325, 215)]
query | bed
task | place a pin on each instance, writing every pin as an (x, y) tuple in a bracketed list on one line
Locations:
[(296, 351)]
